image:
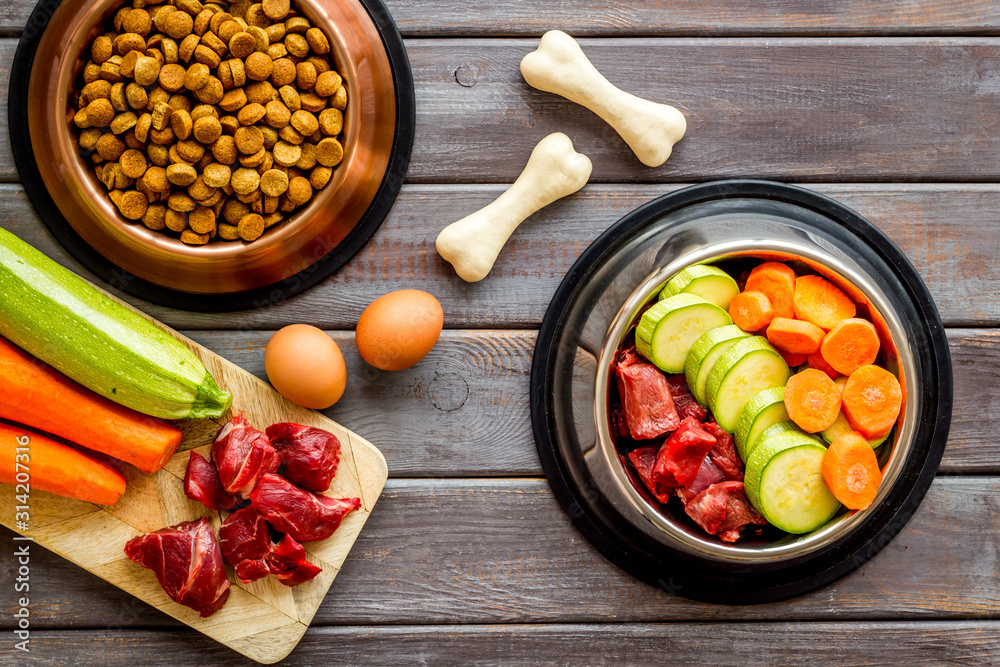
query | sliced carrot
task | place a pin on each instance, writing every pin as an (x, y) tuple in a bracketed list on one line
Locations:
[(819, 301), (850, 470), (817, 361), (34, 394), (851, 344), (46, 465), (872, 400), (751, 311), (794, 336), (777, 282), (812, 400), (793, 360)]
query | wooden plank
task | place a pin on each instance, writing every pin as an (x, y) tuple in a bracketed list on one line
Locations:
[(880, 109), (801, 643), (503, 551), (950, 232), (463, 411), (456, 18)]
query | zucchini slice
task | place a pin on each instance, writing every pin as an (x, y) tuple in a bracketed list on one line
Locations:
[(703, 355), (762, 412), (708, 282), (667, 331), (747, 368)]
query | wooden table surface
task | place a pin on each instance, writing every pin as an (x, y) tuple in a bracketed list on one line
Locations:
[(891, 106)]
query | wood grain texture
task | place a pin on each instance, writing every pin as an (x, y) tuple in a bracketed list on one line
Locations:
[(263, 620), (839, 109), (463, 410), (803, 643), (669, 17), (950, 232), (503, 551)]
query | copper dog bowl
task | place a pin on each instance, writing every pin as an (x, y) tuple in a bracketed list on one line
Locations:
[(219, 268)]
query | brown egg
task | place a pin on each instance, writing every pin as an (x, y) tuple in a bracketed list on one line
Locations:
[(306, 366), (399, 329)]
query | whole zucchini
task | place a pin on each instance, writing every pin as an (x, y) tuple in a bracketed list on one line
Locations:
[(51, 313)]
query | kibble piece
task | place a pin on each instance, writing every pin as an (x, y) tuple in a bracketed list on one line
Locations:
[(254, 160), (89, 138), (161, 116), (81, 120), (329, 152), (274, 183), (233, 99), (156, 180), (216, 175), (242, 44), (312, 102), (171, 77), (171, 52), (202, 220), (196, 76), (133, 163), (207, 129), (181, 174), (304, 122), (142, 127), (317, 41), (229, 124), (286, 154), (179, 25), (305, 76), (283, 72), (276, 10), (327, 83), (234, 210), (192, 7), (179, 201), (129, 41), (251, 226), (321, 64), (127, 66), (251, 197), (290, 96), (244, 181), (239, 73), (111, 71), (212, 41), (229, 232), (211, 92), (277, 114), (224, 149), (249, 140), (258, 66), (155, 217), (192, 238), (250, 114), (203, 110), (123, 122), (320, 176), (299, 190), (136, 96), (206, 56), (331, 122), (133, 204), (308, 159), (117, 97), (256, 16), (202, 21), (162, 137), (100, 113), (158, 155), (156, 96), (190, 151), (270, 136), (175, 221), (297, 24), (132, 142), (188, 47), (96, 90), (260, 92), (276, 52), (138, 21), (260, 37), (201, 191), (290, 135), (91, 72), (296, 45), (101, 49), (217, 21), (181, 124)]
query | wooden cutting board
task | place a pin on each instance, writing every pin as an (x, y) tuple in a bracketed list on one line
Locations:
[(263, 620)]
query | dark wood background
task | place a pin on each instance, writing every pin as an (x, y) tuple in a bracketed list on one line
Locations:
[(891, 106)]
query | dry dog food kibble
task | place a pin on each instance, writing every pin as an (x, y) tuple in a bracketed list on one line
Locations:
[(210, 121)]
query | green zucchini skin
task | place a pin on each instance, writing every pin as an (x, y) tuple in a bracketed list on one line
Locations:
[(51, 313)]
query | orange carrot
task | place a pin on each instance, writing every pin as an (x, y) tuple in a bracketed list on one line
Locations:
[(851, 344), (39, 396), (817, 361), (793, 360), (872, 400), (819, 301), (794, 336), (777, 282), (42, 464), (751, 311), (851, 471), (812, 400)]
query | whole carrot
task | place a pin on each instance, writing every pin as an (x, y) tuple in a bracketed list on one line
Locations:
[(31, 459), (37, 395)]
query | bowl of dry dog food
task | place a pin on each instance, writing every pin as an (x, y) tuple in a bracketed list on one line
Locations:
[(212, 155)]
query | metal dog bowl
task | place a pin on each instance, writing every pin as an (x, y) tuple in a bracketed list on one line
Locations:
[(591, 314), (300, 252)]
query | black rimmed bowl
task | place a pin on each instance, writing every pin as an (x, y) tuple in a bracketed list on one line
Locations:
[(590, 315)]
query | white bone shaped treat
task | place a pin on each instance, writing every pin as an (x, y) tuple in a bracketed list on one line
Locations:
[(554, 170), (559, 66)]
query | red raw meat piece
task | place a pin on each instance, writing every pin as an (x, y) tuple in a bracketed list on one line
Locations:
[(242, 455), (246, 542), (643, 460), (304, 515), (680, 457), (708, 474), (309, 456), (288, 563), (678, 386), (629, 357), (201, 483), (723, 509), (688, 406), (724, 453), (648, 406), (187, 562)]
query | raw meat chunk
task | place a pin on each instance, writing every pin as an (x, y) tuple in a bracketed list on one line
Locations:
[(680, 457), (708, 474), (288, 563), (305, 516), (201, 483), (724, 453), (246, 542), (723, 509), (643, 459), (242, 455), (645, 396), (309, 456)]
